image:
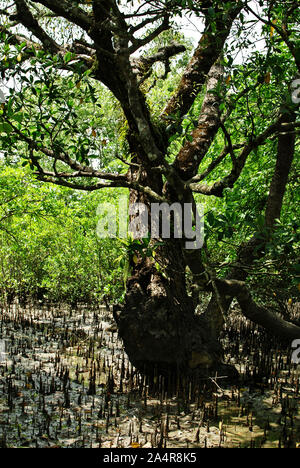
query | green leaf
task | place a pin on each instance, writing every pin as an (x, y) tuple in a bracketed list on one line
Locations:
[(68, 57), (5, 128)]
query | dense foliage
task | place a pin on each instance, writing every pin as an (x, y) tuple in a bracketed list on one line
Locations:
[(49, 249)]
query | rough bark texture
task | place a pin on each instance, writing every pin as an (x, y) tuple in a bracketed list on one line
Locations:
[(206, 54), (160, 330), (285, 154), (258, 314), (192, 153)]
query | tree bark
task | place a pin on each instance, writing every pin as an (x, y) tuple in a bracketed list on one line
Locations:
[(159, 327), (161, 332)]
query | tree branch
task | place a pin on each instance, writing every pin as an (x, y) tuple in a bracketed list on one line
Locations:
[(25, 16), (217, 188), (285, 154), (81, 171), (254, 248), (55, 179), (215, 163), (272, 322), (283, 33), (209, 49), (193, 152), (142, 65), (72, 13), (138, 43), (76, 186), (31, 47)]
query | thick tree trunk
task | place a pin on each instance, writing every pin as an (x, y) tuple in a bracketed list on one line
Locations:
[(161, 333), (160, 330)]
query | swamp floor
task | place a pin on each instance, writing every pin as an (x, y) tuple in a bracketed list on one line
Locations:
[(65, 381)]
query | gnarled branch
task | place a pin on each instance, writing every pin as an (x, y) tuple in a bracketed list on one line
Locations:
[(209, 49), (68, 11), (25, 16), (218, 188), (193, 152), (257, 314)]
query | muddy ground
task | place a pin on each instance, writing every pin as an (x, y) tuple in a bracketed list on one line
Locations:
[(65, 381)]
